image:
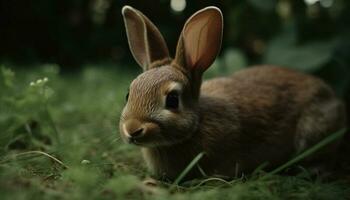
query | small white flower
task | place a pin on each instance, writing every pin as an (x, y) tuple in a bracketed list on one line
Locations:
[(45, 79), (39, 81), (85, 162), (32, 83)]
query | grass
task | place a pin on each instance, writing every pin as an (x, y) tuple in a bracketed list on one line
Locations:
[(59, 140)]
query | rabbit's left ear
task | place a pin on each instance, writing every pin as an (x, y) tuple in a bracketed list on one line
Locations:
[(146, 43), (200, 40)]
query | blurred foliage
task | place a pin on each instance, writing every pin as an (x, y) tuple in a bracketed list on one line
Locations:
[(19, 124)]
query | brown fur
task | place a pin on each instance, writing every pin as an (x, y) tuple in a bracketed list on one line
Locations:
[(257, 115), (246, 122)]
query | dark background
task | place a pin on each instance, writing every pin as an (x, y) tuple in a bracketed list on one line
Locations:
[(75, 32), (309, 35)]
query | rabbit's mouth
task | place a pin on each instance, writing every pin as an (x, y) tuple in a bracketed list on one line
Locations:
[(155, 133), (154, 140), (143, 143), (135, 142)]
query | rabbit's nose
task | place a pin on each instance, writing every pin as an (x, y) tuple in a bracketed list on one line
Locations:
[(133, 129)]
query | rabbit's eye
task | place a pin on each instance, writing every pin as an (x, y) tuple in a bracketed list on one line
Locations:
[(172, 100), (127, 96)]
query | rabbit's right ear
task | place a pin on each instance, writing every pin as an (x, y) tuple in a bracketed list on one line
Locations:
[(145, 41), (200, 40)]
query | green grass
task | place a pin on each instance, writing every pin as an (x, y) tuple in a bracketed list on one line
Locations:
[(59, 140)]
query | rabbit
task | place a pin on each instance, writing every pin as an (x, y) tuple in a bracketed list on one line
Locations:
[(259, 114)]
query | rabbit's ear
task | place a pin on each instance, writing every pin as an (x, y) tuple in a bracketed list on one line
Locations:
[(200, 40), (145, 41)]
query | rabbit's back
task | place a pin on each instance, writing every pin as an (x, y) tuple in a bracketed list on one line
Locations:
[(271, 91), (267, 114), (264, 85)]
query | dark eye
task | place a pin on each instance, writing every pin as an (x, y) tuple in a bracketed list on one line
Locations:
[(172, 100), (127, 96)]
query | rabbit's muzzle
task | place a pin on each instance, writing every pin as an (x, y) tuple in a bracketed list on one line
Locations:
[(140, 133)]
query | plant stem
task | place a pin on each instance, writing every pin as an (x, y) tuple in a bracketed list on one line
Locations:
[(49, 116), (188, 168)]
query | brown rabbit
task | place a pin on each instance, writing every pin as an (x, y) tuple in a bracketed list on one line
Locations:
[(260, 114)]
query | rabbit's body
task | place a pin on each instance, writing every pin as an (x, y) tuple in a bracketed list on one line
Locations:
[(268, 117), (257, 115)]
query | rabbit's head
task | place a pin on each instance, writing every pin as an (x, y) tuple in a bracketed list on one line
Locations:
[(162, 102)]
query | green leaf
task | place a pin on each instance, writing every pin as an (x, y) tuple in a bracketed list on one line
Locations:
[(308, 57)]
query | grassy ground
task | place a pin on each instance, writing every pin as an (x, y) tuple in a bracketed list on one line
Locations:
[(59, 139)]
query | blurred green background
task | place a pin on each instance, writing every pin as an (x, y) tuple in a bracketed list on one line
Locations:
[(65, 67)]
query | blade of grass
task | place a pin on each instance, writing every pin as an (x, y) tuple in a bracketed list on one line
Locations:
[(223, 181), (201, 171), (40, 153), (309, 151), (260, 168), (188, 168)]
